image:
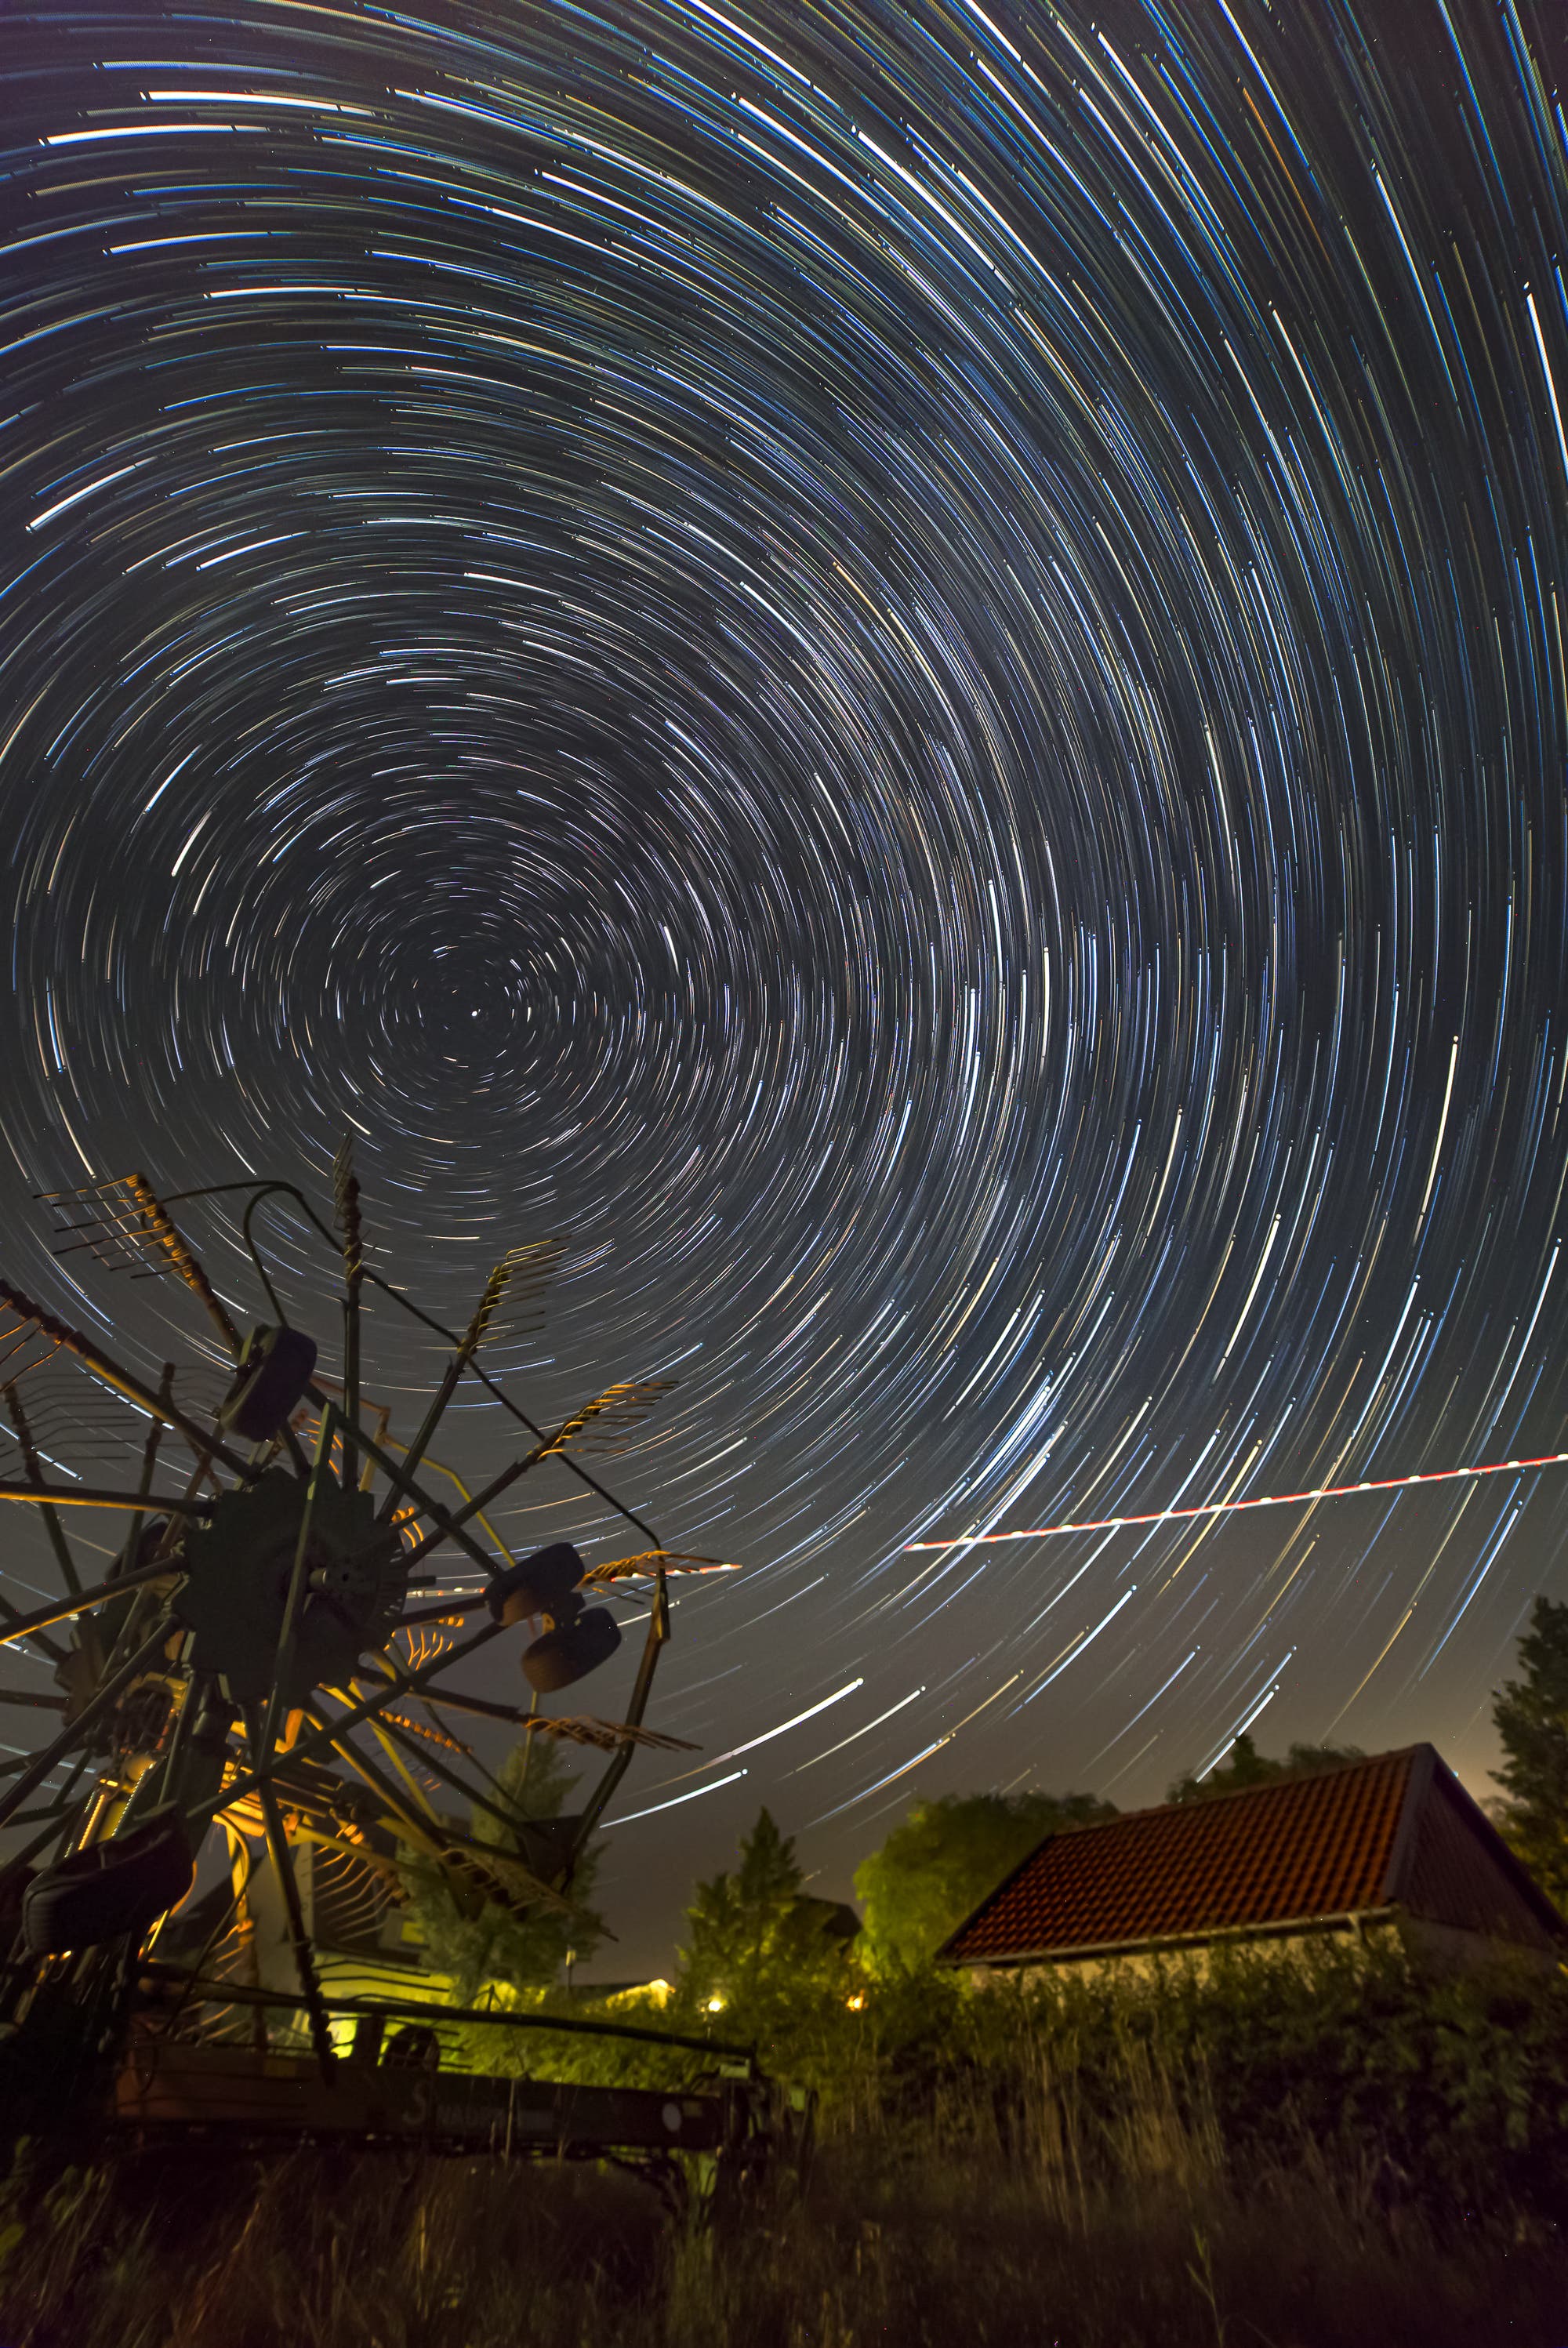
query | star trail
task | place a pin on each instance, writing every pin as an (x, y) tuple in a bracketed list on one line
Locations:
[(901, 670)]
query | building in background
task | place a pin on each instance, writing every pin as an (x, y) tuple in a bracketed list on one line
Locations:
[(1388, 1846)]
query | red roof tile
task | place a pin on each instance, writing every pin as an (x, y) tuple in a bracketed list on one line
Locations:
[(1303, 1848)]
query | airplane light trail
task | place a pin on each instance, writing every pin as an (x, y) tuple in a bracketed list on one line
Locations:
[(1263, 1500)]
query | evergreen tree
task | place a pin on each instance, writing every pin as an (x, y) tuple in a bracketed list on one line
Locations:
[(1245, 1765), (935, 1869), (755, 1941), (475, 1941), (1531, 1717)]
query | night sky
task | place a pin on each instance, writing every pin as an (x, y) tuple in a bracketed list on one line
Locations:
[(901, 669)]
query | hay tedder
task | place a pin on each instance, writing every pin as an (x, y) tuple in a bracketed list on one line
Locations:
[(263, 1682)]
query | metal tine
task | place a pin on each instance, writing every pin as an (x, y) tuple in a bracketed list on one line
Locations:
[(71, 1413), (36, 1321), (88, 1190), (479, 1329), (530, 1270), (608, 1735), (113, 1223), (346, 1201), (158, 1223), (20, 1333), (649, 1561), (131, 1221), (611, 1422)]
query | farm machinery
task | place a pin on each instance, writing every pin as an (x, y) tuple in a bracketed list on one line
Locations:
[(267, 1681)]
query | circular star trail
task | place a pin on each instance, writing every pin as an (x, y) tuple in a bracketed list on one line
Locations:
[(902, 669)]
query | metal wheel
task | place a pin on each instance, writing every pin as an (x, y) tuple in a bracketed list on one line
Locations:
[(258, 1664)]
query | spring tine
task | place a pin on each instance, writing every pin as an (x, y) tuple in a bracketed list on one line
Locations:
[(614, 1414), (155, 1218), (58, 1333)]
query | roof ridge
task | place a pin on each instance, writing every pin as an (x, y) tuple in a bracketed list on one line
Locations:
[(1242, 1793)]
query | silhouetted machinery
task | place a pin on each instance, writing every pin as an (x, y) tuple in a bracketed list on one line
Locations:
[(259, 1664)]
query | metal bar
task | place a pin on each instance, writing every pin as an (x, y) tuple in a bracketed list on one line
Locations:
[(383, 1784), (481, 1501), (448, 1525), (21, 1860), (515, 1410), (50, 1647), (351, 1386), (126, 1562), (223, 1993), (95, 1495), (510, 1819), (44, 1702), (441, 1610), (421, 1831), (413, 1451), (438, 1468), (348, 1189), (123, 1381), (321, 1740), (196, 1684), (573, 1466), (483, 1709), (294, 1604), (468, 1346), (74, 1734), (52, 1525), (277, 1845), (658, 1635), (148, 1461), (52, 1812), (383, 1421), (321, 1385), (549, 1447), (62, 1609), (264, 1192)]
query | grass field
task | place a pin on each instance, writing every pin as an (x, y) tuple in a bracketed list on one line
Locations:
[(1044, 2214)]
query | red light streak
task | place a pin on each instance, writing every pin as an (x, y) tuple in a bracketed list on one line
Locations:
[(1264, 1501)]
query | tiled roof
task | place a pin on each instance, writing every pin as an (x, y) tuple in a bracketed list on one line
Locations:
[(1298, 1848)]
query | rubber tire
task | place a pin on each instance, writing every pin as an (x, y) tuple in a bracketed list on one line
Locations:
[(123, 1885), (415, 2049), (273, 1385), (561, 1657), (539, 1584)]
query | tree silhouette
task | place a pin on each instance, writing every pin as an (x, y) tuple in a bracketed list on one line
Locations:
[(936, 1867), (1531, 1717)]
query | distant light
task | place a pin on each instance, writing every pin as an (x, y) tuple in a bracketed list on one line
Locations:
[(714, 2005)]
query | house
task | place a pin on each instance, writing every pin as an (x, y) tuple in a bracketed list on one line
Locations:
[(1392, 1843)]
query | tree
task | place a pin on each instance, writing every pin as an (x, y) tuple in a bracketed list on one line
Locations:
[(475, 1941), (754, 1936), (936, 1867), (1245, 1765), (1531, 1717)]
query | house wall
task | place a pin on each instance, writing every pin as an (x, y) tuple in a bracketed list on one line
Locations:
[(1142, 1964), (1452, 1874), (1436, 1948)]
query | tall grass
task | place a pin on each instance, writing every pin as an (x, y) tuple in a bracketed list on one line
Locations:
[(1089, 2171)]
